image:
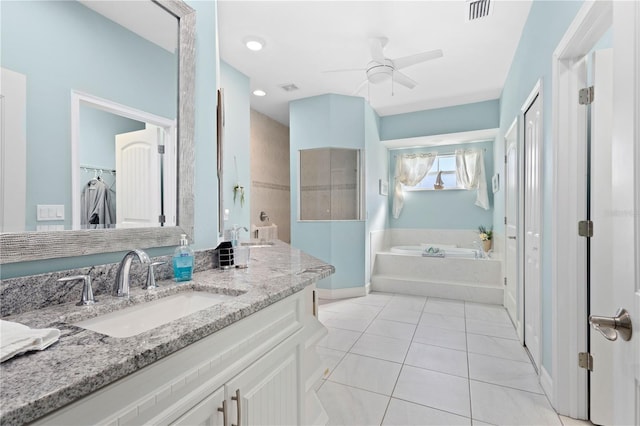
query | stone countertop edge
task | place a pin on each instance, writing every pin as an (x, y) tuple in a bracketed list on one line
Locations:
[(82, 361)]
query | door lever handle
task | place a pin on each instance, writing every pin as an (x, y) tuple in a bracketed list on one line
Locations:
[(512, 237), (611, 327)]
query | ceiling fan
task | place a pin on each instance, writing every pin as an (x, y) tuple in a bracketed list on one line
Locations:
[(381, 68)]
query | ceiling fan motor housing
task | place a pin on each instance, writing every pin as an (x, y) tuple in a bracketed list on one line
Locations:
[(379, 72)]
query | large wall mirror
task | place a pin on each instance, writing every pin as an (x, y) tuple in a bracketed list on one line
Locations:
[(82, 82)]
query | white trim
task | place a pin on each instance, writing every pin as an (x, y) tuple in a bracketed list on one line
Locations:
[(441, 140), (170, 127), (568, 270), (546, 382), (518, 284), (342, 293)]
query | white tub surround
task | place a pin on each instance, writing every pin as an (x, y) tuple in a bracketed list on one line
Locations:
[(263, 337), (453, 277)]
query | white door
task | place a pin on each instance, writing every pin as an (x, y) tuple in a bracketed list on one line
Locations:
[(511, 222), (13, 151), (600, 247), (625, 207), (138, 189), (532, 308)]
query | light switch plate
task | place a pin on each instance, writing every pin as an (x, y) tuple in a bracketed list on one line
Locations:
[(46, 212)]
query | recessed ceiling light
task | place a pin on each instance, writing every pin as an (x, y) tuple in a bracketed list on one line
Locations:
[(254, 43), (259, 92)]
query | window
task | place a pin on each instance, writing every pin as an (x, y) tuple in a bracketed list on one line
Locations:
[(445, 164)]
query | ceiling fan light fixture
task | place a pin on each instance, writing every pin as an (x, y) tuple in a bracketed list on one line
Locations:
[(259, 92), (254, 43), (379, 73)]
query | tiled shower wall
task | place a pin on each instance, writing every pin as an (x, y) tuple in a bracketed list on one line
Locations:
[(270, 187)]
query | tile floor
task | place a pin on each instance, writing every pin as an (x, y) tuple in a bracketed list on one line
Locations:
[(407, 360)]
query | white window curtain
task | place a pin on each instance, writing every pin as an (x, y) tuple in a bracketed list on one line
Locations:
[(410, 170), (470, 174)]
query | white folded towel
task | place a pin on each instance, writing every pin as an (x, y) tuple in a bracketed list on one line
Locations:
[(17, 338)]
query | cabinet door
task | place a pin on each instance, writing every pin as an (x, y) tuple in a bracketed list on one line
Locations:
[(268, 392), (206, 412)]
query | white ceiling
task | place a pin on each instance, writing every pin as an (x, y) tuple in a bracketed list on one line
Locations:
[(305, 38)]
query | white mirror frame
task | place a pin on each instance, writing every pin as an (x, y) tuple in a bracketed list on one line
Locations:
[(28, 246)]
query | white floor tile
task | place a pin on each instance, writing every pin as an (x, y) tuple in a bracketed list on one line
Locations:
[(329, 359), (408, 303), (504, 372), (376, 299), (488, 328), (445, 307), (350, 406), (435, 358), (436, 390), (493, 313), (402, 315), (496, 346), (504, 406), (348, 306), (479, 423), (381, 347), (445, 322), (339, 339), (401, 413), (399, 330), (367, 373), (568, 421), (430, 335), (345, 321)]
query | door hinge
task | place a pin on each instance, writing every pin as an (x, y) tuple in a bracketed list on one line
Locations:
[(505, 159), (585, 228), (585, 360), (160, 149), (585, 96), (505, 281), (162, 219), (505, 220)]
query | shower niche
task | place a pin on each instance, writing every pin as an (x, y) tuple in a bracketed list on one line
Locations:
[(330, 185)]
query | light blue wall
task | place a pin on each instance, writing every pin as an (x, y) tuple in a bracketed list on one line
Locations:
[(236, 144), (328, 121), (546, 24), (459, 118), (206, 210), (376, 168), (454, 209), (60, 46)]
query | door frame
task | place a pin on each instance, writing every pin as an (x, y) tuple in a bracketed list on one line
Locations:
[(536, 92), (568, 390), (518, 320)]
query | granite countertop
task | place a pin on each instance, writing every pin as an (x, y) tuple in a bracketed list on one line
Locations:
[(82, 361)]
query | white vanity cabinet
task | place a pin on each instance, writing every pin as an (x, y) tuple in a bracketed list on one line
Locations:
[(256, 371)]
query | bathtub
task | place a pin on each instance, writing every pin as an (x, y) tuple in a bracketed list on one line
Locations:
[(459, 275), (462, 253)]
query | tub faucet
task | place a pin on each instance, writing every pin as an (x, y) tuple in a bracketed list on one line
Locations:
[(122, 287), (479, 250)]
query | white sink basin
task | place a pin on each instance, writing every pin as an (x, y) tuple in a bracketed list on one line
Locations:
[(149, 315)]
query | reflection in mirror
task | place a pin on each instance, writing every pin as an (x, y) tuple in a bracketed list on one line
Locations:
[(330, 184), (53, 48), (123, 166)]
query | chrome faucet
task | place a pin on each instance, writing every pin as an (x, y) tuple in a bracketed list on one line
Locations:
[(122, 287)]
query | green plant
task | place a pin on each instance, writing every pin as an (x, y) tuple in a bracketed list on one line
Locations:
[(238, 189), (485, 234)]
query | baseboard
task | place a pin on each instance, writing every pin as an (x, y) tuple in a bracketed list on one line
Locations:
[(547, 383), (342, 293)]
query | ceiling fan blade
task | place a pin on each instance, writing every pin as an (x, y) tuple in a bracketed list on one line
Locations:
[(404, 80), (360, 87), (345, 70), (376, 45), (407, 61)]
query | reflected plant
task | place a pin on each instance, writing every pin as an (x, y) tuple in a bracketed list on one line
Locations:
[(238, 190)]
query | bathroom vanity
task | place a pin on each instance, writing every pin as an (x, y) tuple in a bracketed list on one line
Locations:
[(249, 359)]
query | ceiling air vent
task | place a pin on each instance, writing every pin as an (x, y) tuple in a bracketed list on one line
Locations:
[(478, 9), (289, 87)]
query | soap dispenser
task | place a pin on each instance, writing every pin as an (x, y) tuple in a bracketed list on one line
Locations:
[(183, 260)]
